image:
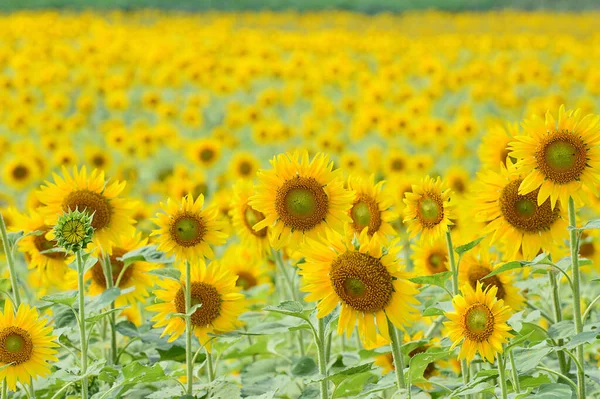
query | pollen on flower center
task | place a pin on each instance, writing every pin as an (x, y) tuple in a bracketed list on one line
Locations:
[(15, 345), (92, 203), (301, 203)]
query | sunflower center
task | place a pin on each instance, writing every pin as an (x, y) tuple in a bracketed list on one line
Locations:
[(15, 345), (116, 266), (207, 154), (478, 322), (92, 203), (42, 244), (361, 281), (562, 157), (478, 272), (436, 262), (365, 213), (206, 295), (522, 211), (245, 168), (251, 217), (20, 172), (397, 165), (301, 203), (246, 280), (187, 229), (430, 210)]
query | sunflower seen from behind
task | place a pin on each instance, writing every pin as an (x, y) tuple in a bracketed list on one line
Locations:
[(26, 345), (300, 198), (361, 276)]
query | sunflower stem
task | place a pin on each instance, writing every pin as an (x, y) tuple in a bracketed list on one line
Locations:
[(11, 263), (514, 372), (112, 318), (188, 328), (4, 389), (574, 244), (557, 309), (396, 341), (320, 342), (210, 372), (502, 376), (81, 291)]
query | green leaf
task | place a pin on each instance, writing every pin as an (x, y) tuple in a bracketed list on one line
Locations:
[(103, 300), (586, 337), (289, 308), (167, 272), (64, 317), (515, 264), (438, 279), (100, 316), (136, 373), (89, 262), (433, 312), (127, 329), (353, 385), (467, 247), (562, 329), (13, 238), (593, 224), (553, 391), (419, 362), (177, 353), (149, 253), (529, 358), (67, 298), (528, 381), (338, 377), (304, 366)]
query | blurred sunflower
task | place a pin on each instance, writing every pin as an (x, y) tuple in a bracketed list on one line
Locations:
[(371, 208), (244, 217), (430, 258)]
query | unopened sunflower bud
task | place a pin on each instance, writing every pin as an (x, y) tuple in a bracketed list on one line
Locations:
[(74, 230)]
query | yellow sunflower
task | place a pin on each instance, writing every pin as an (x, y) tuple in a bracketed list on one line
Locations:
[(187, 231), (214, 287), (428, 209), (205, 152), (19, 172), (371, 208), (26, 345), (430, 258), (135, 275), (300, 198), (516, 220), (557, 158), (479, 322), (112, 215), (493, 150), (247, 264), (243, 165), (366, 280), (244, 217)]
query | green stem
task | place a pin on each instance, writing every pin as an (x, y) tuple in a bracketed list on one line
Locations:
[(112, 318), (320, 342), (209, 367), (328, 347), (397, 354), (589, 308), (188, 327), (4, 389), (502, 376), (514, 372), (560, 376), (84, 358), (574, 245), (11, 263), (557, 308)]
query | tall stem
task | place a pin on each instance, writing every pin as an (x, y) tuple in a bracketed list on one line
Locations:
[(11, 263), (574, 244), (397, 355), (188, 328), (320, 342), (84, 358), (112, 318), (209, 367), (4, 389), (514, 372), (557, 309), (502, 376)]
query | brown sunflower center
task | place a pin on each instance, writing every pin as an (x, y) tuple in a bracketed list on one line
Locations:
[(251, 217), (478, 322), (116, 266), (562, 157), (187, 229), (397, 165), (92, 203), (436, 262), (523, 212), (478, 272), (586, 249), (15, 345), (430, 210), (42, 244), (361, 281), (301, 203), (365, 213), (246, 280), (245, 168), (206, 295), (207, 154), (20, 172)]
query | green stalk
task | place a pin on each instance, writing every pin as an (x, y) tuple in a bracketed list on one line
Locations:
[(188, 327), (11, 263), (502, 376), (84, 358), (562, 361), (320, 342), (112, 317), (514, 372), (4, 389), (397, 355), (574, 244), (209, 367)]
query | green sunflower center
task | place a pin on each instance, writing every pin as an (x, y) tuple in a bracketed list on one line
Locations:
[(361, 214), (525, 207), (365, 213), (301, 203), (478, 322), (354, 287), (15, 345), (562, 157), (522, 211), (430, 210), (187, 229)]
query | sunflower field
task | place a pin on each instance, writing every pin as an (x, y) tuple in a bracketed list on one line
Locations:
[(299, 205)]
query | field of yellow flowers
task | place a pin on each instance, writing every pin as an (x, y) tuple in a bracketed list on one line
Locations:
[(299, 205)]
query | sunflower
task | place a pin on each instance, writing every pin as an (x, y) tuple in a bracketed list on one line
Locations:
[(247, 264), (300, 198), (428, 210), (214, 287), (112, 215), (20, 172), (243, 165), (493, 150), (473, 269), (52, 266), (479, 318), (205, 152), (187, 231), (557, 158), (516, 220), (26, 345), (370, 209), (134, 275), (366, 280), (243, 217), (430, 258)]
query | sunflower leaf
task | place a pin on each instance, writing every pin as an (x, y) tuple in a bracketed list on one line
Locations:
[(67, 298), (149, 253), (167, 272), (515, 264), (100, 316), (467, 247), (419, 362), (593, 224), (438, 279), (290, 308)]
